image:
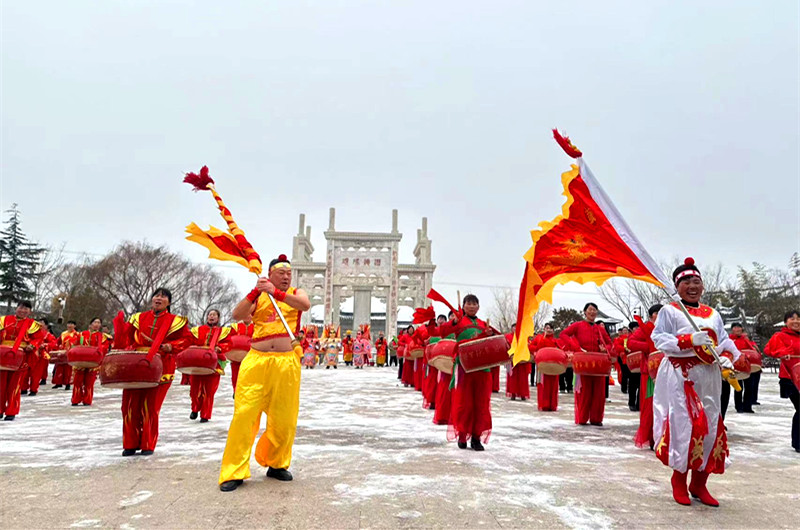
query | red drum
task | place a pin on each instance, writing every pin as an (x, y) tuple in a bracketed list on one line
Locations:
[(240, 345), (486, 352), (11, 359), (58, 357), (634, 362), (793, 365), (755, 360), (742, 367), (591, 363), (84, 357), (442, 355), (551, 361), (130, 370), (416, 352), (401, 351), (196, 360), (653, 362)]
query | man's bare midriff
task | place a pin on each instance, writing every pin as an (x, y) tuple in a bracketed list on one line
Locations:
[(277, 344)]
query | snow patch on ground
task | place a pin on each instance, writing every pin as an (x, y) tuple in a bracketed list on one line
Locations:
[(137, 498)]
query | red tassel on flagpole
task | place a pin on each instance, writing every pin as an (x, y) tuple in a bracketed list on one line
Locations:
[(566, 145), (201, 181)]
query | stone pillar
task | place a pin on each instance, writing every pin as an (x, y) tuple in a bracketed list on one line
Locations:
[(394, 221), (391, 299), (362, 306), (301, 228), (332, 219), (337, 304)]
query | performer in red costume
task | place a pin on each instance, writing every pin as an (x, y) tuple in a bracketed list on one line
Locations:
[(745, 399), (38, 361), (517, 378), (471, 416), (141, 407), (83, 391), (441, 415), (590, 391), (418, 340), (547, 389), (62, 373), (20, 332), (620, 351), (640, 340), (407, 364), (785, 345), (687, 424), (240, 328), (431, 381), (495, 379), (203, 387)]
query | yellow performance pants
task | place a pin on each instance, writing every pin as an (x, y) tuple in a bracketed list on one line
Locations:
[(269, 383)]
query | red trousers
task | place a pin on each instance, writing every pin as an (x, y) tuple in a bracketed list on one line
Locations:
[(644, 435), (441, 415), (83, 386), (32, 364), (429, 387), (518, 381), (408, 372), (496, 379), (10, 387), (62, 374), (471, 402), (590, 401), (547, 393), (202, 390), (419, 373), (140, 409), (38, 373), (186, 379), (234, 373)]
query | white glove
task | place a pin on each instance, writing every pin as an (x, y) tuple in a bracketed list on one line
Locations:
[(701, 338), (726, 363)]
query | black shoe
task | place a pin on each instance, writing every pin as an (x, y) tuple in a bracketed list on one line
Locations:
[(66, 387), (633, 408), (56, 386), (234, 398), (23, 392), (32, 393), (335, 367), (756, 403), (230, 485), (597, 423), (193, 416), (327, 367), (203, 420), (513, 398), (129, 452), (524, 399), (146, 453), (8, 418), (476, 444), (652, 446), (75, 404), (43, 382), (462, 445), (279, 474), (749, 411)]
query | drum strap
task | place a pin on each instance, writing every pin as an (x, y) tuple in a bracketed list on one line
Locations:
[(215, 337), (23, 330), (160, 336)]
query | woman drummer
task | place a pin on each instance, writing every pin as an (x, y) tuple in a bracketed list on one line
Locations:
[(785, 345), (141, 407), (84, 378)]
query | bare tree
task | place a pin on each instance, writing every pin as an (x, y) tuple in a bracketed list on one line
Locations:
[(211, 291), (45, 277), (503, 313)]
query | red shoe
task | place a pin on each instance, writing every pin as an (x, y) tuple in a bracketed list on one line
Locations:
[(679, 491), (698, 489)]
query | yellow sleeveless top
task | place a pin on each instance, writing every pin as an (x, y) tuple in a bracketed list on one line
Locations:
[(267, 324)]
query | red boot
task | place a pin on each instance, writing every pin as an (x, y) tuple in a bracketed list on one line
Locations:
[(679, 491), (698, 488)]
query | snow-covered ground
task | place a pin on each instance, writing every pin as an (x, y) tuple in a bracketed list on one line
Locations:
[(367, 454)]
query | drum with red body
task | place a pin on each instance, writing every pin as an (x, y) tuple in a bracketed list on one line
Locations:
[(442, 354), (634, 362), (591, 363), (482, 353), (653, 363), (58, 357), (755, 360), (742, 367), (11, 359), (84, 356), (401, 351), (196, 360), (551, 361), (240, 345), (130, 370), (792, 363)]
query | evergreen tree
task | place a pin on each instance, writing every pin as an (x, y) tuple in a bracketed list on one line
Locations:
[(18, 260)]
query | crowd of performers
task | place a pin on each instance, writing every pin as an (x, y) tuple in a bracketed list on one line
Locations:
[(681, 410)]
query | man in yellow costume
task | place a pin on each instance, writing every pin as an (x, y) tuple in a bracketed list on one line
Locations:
[(269, 380)]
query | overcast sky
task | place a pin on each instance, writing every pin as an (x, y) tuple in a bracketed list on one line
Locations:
[(687, 113)]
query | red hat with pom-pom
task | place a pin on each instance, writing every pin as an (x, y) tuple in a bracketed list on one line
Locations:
[(685, 271)]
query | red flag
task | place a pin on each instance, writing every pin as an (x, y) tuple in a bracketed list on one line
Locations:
[(436, 297), (423, 314)]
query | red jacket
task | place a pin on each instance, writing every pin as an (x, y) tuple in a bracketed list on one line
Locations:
[(68, 338), (543, 341), (621, 346), (10, 328), (783, 343), (241, 328), (467, 326), (143, 328), (588, 336), (202, 337), (97, 339), (639, 339)]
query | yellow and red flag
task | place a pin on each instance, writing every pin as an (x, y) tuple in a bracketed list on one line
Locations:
[(588, 242), (224, 246)]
